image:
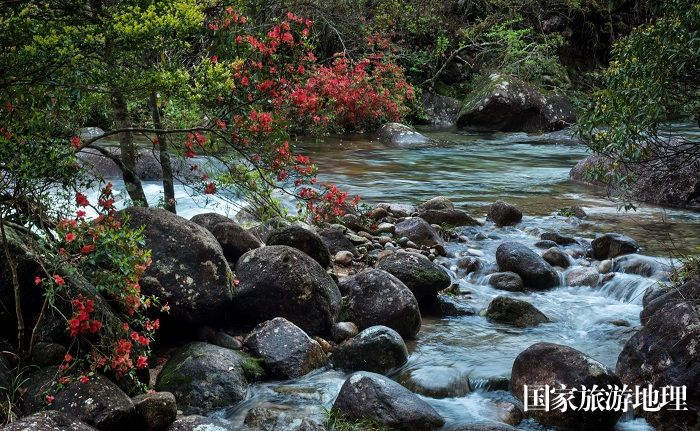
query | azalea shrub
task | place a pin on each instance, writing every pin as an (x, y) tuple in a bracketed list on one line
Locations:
[(113, 258)]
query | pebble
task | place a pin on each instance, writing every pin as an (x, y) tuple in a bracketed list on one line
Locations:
[(343, 258), (605, 266), (386, 228)]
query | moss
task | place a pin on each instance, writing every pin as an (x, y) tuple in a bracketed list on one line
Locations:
[(252, 367), (336, 422)]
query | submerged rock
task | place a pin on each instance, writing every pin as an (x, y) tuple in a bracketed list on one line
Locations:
[(375, 297), (281, 281), (233, 238), (377, 349), (503, 309), (554, 365), (304, 240), (372, 396), (402, 135), (418, 273), (287, 352), (535, 271), (437, 381), (666, 352), (509, 281), (189, 270), (504, 214), (204, 377), (507, 104)]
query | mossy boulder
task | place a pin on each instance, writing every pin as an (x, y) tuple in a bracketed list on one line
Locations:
[(301, 239)]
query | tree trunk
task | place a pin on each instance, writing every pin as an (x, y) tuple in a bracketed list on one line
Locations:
[(132, 182), (166, 166)]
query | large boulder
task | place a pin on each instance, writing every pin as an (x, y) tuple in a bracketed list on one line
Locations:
[(281, 281), (287, 352), (232, 237), (301, 239), (50, 420), (189, 270), (612, 245), (530, 266), (336, 241), (555, 365), (511, 311), (204, 377), (98, 402), (377, 349), (506, 104), (372, 396), (402, 135), (504, 214), (418, 273), (419, 231), (375, 297), (665, 353), (155, 411), (441, 111)]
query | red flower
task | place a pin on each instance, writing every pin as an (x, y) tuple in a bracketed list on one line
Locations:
[(141, 362), (81, 200), (80, 214), (75, 141), (83, 379), (38, 280), (87, 248), (58, 280), (50, 399), (210, 189), (70, 237), (214, 59), (67, 358)]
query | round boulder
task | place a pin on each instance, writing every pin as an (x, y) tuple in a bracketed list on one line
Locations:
[(304, 240), (336, 241), (438, 203), (98, 402), (400, 134), (281, 281), (514, 312), (612, 245), (530, 266), (234, 239), (155, 411), (204, 377), (50, 420), (372, 396), (287, 352), (556, 257), (504, 214), (418, 273), (418, 231), (378, 349), (555, 365), (375, 297), (189, 270), (509, 281), (449, 217), (582, 276)]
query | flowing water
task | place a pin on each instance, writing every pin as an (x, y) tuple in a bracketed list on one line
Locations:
[(474, 170)]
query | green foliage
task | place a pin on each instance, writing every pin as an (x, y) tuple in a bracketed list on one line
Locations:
[(652, 79), (336, 422), (689, 269)]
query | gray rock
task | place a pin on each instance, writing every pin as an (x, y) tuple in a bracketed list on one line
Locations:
[(281, 281), (535, 271), (438, 203), (99, 402), (287, 352), (482, 427), (270, 417), (234, 239), (448, 217), (507, 104), (469, 264), (665, 353), (545, 244), (343, 258), (448, 306), (556, 257), (378, 349), (418, 273), (189, 270), (612, 245), (154, 412), (375, 297), (222, 339), (418, 231), (401, 135), (375, 397), (509, 281), (582, 276), (201, 423), (45, 354), (637, 264), (50, 420), (398, 210), (442, 111), (304, 240), (504, 214), (554, 364), (344, 330), (558, 238), (436, 381), (605, 266), (204, 377), (503, 309)]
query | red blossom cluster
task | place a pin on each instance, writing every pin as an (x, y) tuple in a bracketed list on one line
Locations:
[(80, 322)]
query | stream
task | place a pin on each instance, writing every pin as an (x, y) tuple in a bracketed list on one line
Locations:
[(474, 170)]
